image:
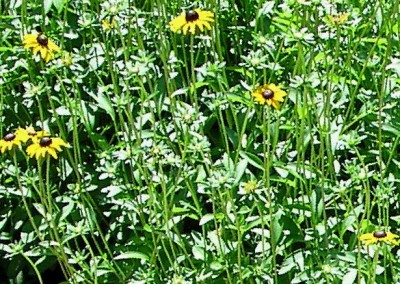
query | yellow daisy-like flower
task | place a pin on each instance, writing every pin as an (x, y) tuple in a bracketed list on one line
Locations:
[(40, 147), (25, 134), (190, 20), (40, 43), (9, 141), (269, 94), (379, 236)]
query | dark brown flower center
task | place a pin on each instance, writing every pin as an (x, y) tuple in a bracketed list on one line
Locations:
[(45, 141), (42, 40), (380, 234), (9, 137), (32, 133), (191, 16), (268, 94)]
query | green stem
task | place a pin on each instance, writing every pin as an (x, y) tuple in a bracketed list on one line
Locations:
[(193, 90), (34, 268)]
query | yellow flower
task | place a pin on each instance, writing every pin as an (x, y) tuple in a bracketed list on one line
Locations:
[(379, 236), (269, 94), (40, 147), (250, 186), (29, 132), (66, 59), (190, 20), (9, 141), (107, 25), (40, 43), (338, 19)]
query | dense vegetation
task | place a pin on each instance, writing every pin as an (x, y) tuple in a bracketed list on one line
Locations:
[(135, 150)]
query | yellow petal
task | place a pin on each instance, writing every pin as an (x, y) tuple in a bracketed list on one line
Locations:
[(43, 52), (365, 237), (185, 29), (201, 26), (52, 46), (36, 49), (43, 151), (30, 39), (208, 26), (177, 23), (30, 45), (60, 142), (275, 104), (192, 28), (52, 152)]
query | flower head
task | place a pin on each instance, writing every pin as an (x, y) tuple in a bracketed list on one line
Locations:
[(66, 59), (40, 147), (9, 141), (249, 187), (190, 20), (29, 132), (40, 43), (269, 94), (338, 19), (379, 236), (109, 25)]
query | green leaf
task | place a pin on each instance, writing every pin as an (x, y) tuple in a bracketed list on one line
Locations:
[(47, 5), (241, 70), (132, 254), (63, 111), (350, 276), (391, 129), (4, 48), (215, 265), (380, 41), (87, 115), (292, 262), (241, 99), (267, 8), (96, 61), (104, 103), (96, 56), (316, 205), (40, 208), (232, 135), (252, 159), (240, 169), (59, 4), (276, 229), (208, 217), (198, 252), (347, 223), (197, 85), (66, 210)]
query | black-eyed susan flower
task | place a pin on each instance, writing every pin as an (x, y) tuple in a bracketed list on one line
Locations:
[(40, 43), (378, 237), (25, 134), (40, 147), (269, 94), (188, 21), (9, 141)]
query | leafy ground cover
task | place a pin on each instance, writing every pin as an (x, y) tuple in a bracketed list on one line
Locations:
[(213, 141)]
